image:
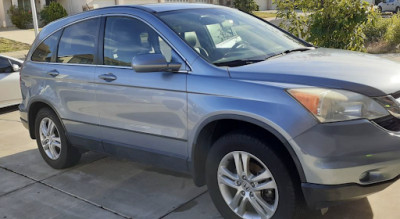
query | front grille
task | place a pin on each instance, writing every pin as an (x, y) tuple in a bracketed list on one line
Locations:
[(390, 123)]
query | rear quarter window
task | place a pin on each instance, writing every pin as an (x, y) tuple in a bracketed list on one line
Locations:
[(45, 51)]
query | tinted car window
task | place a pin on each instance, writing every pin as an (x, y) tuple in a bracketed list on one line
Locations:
[(127, 37), (5, 66), (46, 49), (78, 42)]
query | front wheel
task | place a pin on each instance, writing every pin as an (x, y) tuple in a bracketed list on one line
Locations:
[(247, 179), (52, 141)]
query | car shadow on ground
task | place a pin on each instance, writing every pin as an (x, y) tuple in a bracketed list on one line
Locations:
[(349, 210)]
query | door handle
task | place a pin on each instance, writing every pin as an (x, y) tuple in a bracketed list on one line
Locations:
[(53, 73), (108, 77)]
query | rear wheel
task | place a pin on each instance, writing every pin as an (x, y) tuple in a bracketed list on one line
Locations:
[(246, 179), (52, 141), (380, 9)]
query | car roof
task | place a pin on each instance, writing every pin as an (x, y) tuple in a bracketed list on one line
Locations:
[(163, 7)]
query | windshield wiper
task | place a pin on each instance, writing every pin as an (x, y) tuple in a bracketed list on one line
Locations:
[(297, 50), (238, 62), (290, 51)]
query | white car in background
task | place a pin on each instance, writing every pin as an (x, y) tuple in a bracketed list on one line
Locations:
[(10, 92), (389, 5)]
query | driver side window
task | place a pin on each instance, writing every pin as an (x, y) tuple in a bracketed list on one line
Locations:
[(126, 37)]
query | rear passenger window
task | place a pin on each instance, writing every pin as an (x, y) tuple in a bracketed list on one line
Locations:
[(46, 49), (78, 42), (127, 37)]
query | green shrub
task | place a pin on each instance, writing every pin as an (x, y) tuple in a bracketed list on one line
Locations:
[(246, 5), (20, 17), (377, 30), (326, 23), (52, 12), (393, 32)]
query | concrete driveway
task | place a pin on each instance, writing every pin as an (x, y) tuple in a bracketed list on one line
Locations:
[(107, 187)]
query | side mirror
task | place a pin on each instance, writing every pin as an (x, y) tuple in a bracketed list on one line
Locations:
[(15, 67), (153, 63)]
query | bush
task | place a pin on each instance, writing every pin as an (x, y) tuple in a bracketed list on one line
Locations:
[(376, 31), (383, 35), (326, 23), (20, 17), (52, 12), (246, 5), (393, 32)]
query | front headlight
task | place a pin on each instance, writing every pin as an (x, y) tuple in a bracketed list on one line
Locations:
[(331, 105)]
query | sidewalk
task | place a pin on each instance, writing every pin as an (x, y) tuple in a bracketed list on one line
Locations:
[(23, 36)]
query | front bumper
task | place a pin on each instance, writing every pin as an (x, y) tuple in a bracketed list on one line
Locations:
[(322, 196), (346, 160), (356, 151)]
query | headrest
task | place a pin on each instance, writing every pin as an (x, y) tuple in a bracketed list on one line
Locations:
[(191, 38)]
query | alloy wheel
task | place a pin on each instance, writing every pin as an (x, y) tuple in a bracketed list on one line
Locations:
[(50, 138), (247, 185)]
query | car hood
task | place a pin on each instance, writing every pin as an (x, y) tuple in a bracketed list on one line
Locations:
[(363, 73)]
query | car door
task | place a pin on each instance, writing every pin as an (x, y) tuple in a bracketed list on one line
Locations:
[(144, 112), (390, 5), (64, 65), (10, 93), (384, 5)]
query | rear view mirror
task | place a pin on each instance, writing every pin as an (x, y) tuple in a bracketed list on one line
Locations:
[(15, 67), (153, 63)]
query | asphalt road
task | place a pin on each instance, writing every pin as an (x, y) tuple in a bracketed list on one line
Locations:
[(102, 186)]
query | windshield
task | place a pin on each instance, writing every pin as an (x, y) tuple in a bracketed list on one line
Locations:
[(228, 37)]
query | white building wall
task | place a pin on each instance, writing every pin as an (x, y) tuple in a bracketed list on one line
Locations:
[(4, 18), (72, 6), (262, 4)]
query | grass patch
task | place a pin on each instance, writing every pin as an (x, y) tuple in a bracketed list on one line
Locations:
[(7, 45), (264, 14)]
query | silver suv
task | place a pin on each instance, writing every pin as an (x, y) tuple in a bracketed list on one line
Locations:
[(389, 5), (263, 118)]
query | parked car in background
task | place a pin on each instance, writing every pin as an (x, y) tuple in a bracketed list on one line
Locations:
[(10, 92), (261, 117), (389, 6)]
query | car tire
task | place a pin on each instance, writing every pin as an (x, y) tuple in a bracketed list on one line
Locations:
[(397, 10), (380, 9), (52, 141), (265, 169)]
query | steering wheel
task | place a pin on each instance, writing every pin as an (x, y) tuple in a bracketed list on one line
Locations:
[(237, 46)]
